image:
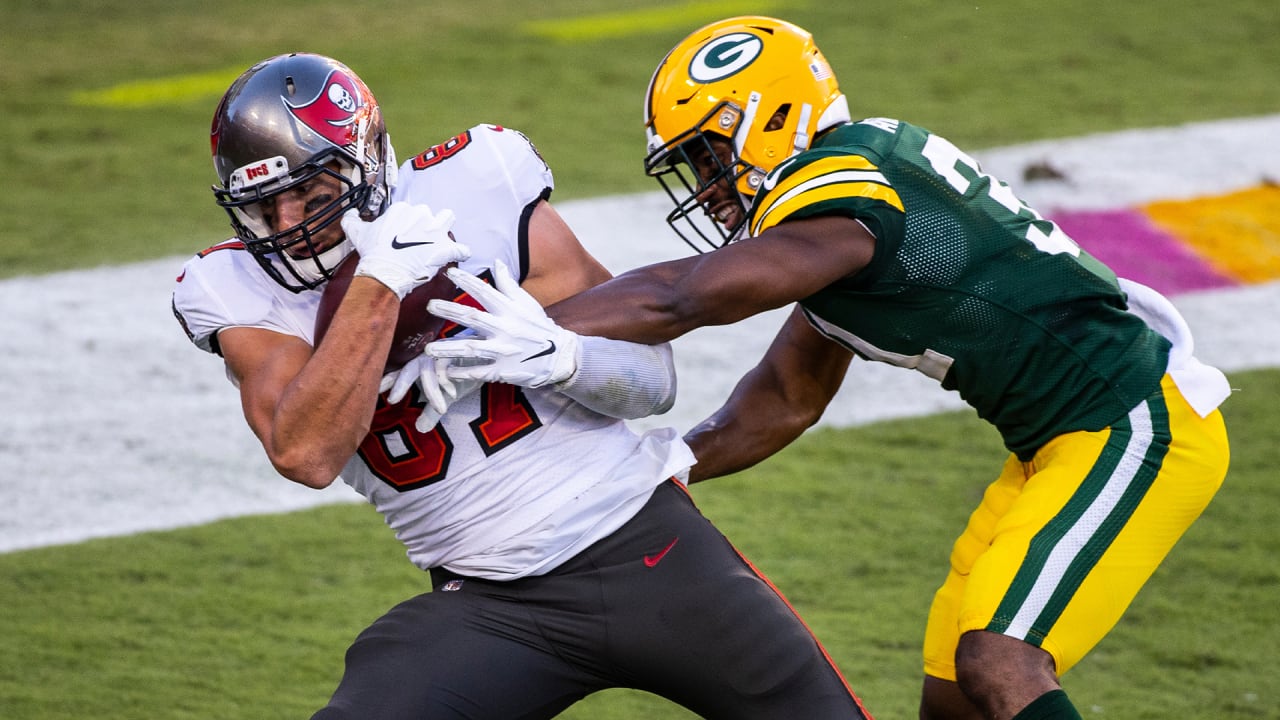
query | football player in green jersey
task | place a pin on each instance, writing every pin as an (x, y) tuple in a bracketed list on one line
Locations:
[(895, 246)]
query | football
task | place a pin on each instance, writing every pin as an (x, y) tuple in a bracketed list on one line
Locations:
[(415, 327)]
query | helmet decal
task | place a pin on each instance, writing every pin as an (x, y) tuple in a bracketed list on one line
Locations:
[(725, 56), (332, 114)]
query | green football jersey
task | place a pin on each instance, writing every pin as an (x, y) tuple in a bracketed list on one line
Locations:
[(967, 284)]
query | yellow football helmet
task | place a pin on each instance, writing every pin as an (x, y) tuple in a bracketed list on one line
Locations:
[(730, 79)]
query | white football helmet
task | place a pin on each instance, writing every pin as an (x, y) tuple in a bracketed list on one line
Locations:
[(284, 122)]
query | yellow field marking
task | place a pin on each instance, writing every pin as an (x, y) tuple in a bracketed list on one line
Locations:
[(687, 15), (1239, 231), (159, 91)]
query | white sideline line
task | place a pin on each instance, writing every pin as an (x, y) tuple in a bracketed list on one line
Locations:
[(112, 423)]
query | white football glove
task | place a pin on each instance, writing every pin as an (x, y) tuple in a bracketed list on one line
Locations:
[(405, 247), (439, 390), (514, 339)]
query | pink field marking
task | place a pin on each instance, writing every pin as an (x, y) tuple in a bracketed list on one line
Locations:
[(1131, 245)]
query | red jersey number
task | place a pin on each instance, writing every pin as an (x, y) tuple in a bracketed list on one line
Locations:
[(406, 460), (439, 153)]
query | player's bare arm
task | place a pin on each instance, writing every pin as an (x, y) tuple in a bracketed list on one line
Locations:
[(780, 398), (311, 409), (661, 302), (559, 266)]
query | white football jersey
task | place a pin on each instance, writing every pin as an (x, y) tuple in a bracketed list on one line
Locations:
[(512, 481)]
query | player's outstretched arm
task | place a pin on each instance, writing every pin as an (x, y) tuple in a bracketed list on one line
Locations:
[(513, 341), (658, 303), (776, 401)]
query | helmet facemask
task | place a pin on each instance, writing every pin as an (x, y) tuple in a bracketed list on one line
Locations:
[(294, 256), (713, 146)]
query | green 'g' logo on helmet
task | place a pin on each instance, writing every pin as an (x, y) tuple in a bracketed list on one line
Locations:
[(724, 56)]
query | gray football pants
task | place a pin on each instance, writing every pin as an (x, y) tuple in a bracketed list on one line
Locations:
[(665, 605)]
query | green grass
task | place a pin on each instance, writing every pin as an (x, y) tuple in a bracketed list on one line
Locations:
[(249, 618), (88, 184)]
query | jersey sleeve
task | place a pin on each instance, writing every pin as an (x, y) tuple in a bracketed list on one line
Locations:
[(842, 179), (223, 287), (484, 166), (491, 177), (521, 164)]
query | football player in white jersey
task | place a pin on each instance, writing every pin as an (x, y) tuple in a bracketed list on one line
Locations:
[(564, 554)]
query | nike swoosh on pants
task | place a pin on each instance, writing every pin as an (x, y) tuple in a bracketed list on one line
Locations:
[(654, 559)]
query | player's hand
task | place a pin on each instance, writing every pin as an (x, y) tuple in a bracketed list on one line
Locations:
[(439, 390), (514, 340), (405, 247)]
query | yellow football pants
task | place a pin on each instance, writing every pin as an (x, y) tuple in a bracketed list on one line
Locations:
[(1060, 546)]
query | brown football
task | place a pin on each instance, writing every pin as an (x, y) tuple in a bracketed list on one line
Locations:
[(415, 327)]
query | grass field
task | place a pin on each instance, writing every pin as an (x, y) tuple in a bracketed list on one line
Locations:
[(109, 106), (248, 618), (107, 121)]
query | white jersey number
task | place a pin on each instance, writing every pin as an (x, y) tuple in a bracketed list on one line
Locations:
[(951, 162)]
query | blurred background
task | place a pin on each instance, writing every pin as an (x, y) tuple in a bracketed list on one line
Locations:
[(108, 103)]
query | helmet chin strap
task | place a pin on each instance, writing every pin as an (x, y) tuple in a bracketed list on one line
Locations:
[(755, 175), (391, 168), (748, 118), (802, 139), (382, 183)]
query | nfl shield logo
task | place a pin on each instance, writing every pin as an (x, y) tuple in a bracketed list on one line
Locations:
[(451, 586)]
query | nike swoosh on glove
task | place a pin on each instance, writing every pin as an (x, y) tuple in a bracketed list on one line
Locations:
[(405, 246), (514, 341)]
